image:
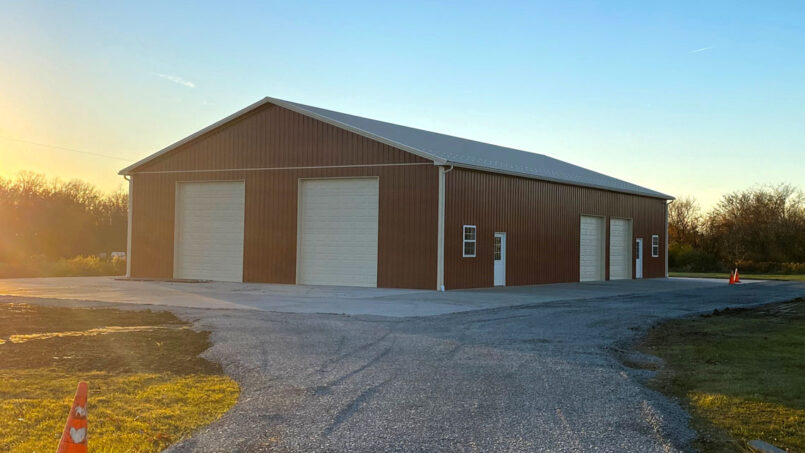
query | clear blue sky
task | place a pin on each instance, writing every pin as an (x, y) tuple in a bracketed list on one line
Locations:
[(689, 98)]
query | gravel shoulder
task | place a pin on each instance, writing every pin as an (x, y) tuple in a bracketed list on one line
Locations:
[(541, 377)]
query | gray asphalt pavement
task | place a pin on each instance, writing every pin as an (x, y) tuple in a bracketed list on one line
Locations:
[(534, 377)]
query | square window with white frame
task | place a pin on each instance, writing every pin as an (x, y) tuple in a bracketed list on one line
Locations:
[(469, 241), (655, 246)]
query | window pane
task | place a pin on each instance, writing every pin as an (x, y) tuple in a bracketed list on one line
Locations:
[(469, 233), (497, 248), (469, 248)]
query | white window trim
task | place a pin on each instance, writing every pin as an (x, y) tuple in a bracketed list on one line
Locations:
[(657, 238), (464, 241)]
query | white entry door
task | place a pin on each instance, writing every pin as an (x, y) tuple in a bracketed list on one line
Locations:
[(338, 232), (638, 262), (500, 259)]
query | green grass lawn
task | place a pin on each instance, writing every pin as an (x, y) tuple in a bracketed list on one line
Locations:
[(726, 276), (147, 386), (740, 372)]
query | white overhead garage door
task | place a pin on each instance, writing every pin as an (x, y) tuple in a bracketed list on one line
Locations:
[(591, 257), (620, 249), (337, 243), (208, 238)]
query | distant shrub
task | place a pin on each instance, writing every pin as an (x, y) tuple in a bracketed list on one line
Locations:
[(760, 229), (87, 265), (79, 266), (686, 258), (765, 267)]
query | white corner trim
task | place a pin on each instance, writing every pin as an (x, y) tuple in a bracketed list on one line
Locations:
[(440, 241), (128, 228), (666, 239)]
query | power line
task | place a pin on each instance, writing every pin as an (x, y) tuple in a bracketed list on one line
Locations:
[(69, 149)]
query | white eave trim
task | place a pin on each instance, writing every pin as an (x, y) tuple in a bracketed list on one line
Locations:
[(658, 195)]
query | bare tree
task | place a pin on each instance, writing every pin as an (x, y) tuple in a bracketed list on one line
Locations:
[(761, 224), (54, 219), (684, 221)]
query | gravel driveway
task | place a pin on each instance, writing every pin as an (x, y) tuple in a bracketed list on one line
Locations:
[(539, 377)]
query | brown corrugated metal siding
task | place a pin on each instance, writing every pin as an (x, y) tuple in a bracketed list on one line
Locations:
[(265, 148), (541, 221)]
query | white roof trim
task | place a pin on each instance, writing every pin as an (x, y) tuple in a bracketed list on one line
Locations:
[(303, 111), (297, 109), (189, 138)]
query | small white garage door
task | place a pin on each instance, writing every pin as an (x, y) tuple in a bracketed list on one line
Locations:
[(208, 240), (337, 243), (591, 258), (620, 249)]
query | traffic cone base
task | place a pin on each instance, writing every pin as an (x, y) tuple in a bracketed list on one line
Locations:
[(732, 278)]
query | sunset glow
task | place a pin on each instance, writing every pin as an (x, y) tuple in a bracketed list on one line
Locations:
[(650, 95)]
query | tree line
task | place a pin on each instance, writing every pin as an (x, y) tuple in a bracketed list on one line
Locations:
[(761, 229), (50, 219)]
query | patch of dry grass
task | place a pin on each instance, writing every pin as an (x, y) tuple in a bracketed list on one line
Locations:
[(744, 276), (748, 419), (79, 266), (740, 372), (147, 389)]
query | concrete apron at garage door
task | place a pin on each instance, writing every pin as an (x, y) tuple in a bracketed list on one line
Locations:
[(328, 299)]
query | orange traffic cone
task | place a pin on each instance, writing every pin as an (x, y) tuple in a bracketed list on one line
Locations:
[(732, 278), (74, 438), (737, 277)]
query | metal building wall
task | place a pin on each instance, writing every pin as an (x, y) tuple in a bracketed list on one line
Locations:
[(541, 221), (270, 149)]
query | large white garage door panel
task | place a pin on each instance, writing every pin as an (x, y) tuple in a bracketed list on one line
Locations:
[(209, 231), (620, 249), (591, 246), (338, 232)]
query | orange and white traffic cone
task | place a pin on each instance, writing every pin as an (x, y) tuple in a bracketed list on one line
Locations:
[(737, 277), (732, 278), (74, 437)]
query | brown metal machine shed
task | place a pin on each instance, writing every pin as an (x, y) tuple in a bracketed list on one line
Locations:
[(285, 193)]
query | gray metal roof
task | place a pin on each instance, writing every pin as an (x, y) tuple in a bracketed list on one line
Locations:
[(447, 150)]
